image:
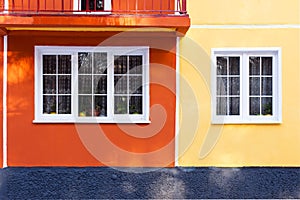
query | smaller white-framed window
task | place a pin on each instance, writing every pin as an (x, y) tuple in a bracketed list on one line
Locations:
[(91, 84), (92, 6), (246, 85)]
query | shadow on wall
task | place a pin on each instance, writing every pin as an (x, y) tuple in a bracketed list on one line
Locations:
[(19, 78), (141, 183)]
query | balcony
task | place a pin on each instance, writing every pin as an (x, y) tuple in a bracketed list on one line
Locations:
[(93, 15), (65, 7)]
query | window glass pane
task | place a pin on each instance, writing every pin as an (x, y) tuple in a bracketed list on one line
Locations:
[(64, 104), (135, 84), (100, 84), (57, 84), (120, 64), (121, 105), (266, 86), (64, 64), (49, 84), (254, 106), (234, 106), (64, 84), (85, 84), (221, 105), (90, 5), (135, 64), (100, 63), (49, 104), (267, 65), (136, 105), (266, 106), (234, 65), (120, 83), (100, 106), (221, 86), (254, 85), (234, 86), (254, 65), (221, 65), (84, 63), (85, 105), (49, 64)]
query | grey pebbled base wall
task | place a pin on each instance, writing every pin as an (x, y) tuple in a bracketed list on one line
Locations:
[(145, 183)]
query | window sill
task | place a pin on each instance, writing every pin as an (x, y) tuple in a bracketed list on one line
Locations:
[(246, 123), (89, 121), (240, 122)]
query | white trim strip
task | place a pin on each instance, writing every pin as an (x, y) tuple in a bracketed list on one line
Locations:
[(177, 113), (176, 7), (4, 132), (247, 26), (6, 6)]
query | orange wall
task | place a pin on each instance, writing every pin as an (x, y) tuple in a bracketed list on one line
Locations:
[(62, 144)]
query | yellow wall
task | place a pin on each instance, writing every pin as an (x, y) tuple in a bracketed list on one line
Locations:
[(204, 144), (244, 11)]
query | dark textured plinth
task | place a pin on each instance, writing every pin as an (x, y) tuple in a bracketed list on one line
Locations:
[(138, 183)]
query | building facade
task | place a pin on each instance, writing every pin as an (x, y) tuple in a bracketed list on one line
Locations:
[(141, 83)]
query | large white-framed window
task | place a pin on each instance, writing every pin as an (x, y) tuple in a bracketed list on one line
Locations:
[(246, 85), (91, 84), (92, 6)]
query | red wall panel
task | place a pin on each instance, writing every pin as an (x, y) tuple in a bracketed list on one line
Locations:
[(67, 5), (41, 5), (142, 5)]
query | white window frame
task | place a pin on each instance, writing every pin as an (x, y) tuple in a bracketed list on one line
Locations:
[(74, 118), (107, 8), (245, 117)]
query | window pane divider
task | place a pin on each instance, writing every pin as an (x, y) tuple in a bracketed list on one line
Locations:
[(92, 93), (110, 85), (244, 86), (75, 85), (127, 78), (57, 86)]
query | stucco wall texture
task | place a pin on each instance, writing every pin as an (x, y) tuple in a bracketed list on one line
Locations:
[(145, 183)]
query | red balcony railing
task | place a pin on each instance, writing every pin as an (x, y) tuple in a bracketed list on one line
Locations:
[(143, 7)]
